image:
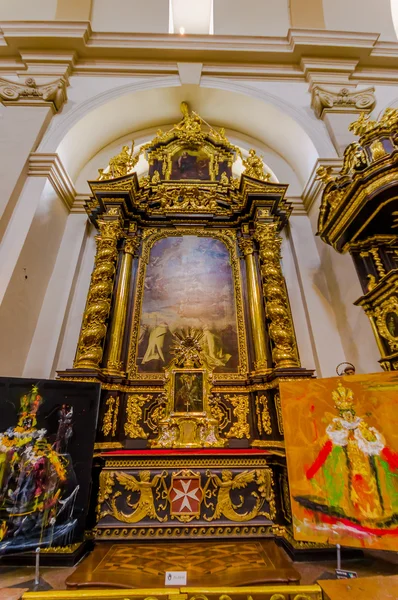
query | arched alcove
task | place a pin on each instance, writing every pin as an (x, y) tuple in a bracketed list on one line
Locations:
[(76, 136)]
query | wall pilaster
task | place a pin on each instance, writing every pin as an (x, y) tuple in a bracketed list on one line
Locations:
[(26, 114)]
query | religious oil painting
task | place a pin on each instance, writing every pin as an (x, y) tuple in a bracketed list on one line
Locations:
[(188, 284), (47, 432), (341, 438), (188, 391), (190, 164)]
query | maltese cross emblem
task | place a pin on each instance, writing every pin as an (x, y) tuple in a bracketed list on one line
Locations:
[(185, 495)]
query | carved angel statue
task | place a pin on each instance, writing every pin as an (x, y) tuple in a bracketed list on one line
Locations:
[(121, 164), (325, 174), (254, 167), (225, 507), (191, 122), (145, 506)]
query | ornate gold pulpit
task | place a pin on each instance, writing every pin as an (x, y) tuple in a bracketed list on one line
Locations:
[(188, 328), (358, 214)]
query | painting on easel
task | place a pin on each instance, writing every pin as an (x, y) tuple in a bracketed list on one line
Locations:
[(341, 438), (47, 432)]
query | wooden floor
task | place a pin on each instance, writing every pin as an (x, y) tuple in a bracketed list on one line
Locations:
[(216, 563)]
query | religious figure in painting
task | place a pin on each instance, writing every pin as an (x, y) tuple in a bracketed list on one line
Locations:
[(188, 284), (212, 349), (355, 471), (189, 392), (155, 346)]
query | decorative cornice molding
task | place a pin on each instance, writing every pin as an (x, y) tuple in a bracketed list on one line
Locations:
[(318, 55), (79, 203), (51, 167), (314, 186), (343, 100), (297, 205), (32, 94)]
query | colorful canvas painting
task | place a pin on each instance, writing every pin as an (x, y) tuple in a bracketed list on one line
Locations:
[(47, 432), (341, 438), (188, 283)]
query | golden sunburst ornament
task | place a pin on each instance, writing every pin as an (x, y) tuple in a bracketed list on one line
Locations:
[(187, 348)]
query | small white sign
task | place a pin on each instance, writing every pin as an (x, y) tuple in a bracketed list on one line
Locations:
[(175, 578)]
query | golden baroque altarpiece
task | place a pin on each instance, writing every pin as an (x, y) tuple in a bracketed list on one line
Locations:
[(188, 328)]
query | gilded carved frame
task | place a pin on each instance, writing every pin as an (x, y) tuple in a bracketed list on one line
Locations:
[(150, 237), (381, 313)]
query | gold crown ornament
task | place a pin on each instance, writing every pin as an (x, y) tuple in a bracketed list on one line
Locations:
[(343, 398)]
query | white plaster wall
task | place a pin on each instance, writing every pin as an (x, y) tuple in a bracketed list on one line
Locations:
[(319, 307), (302, 325), (352, 325), (149, 16), (251, 17), (22, 302), (371, 16), (77, 301), (55, 303), (21, 10)]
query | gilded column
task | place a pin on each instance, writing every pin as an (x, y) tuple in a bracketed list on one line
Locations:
[(281, 330), (255, 305), (89, 349), (114, 363)]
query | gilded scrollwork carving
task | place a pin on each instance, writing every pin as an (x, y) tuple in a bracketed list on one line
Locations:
[(109, 423), (220, 411), (263, 416), (189, 198), (286, 505), (144, 507), (220, 488), (94, 326), (281, 331), (240, 428), (278, 409), (30, 92), (132, 427)]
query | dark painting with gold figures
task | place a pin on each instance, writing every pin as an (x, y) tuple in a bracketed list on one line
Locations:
[(188, 283), (47, 432), (341, 439)]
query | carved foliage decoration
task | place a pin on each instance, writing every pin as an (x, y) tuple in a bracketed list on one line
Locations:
[(132, 427), (109, 423), (240, 428), (263, 416)]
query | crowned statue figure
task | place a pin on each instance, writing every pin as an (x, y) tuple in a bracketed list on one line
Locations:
[(355, 470)]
